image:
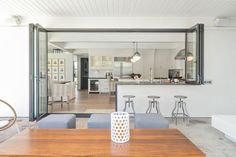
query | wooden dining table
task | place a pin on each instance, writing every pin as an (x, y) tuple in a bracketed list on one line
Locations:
[(97, 142)]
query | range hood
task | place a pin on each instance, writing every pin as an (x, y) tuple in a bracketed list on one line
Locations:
[(181, 55)]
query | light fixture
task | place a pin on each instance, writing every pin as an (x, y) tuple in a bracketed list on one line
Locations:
[(189, 56), (181, 55), (137, 55), (14, 21), (132, 60)]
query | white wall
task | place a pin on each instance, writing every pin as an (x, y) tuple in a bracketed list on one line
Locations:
[(68, 63), (164, 60), (219, 60), (14, 68), (204, 100), (121, 22)]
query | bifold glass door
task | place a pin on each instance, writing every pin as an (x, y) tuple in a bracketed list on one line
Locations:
[(39, 51), (194, 55)]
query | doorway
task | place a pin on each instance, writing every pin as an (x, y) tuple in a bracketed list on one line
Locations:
[(39, 73), (84, 70)]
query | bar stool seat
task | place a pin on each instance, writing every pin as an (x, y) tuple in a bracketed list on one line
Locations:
[(153, 97), (180, 105), (180, 97), (129, 102), (154, 103), (129, 96)]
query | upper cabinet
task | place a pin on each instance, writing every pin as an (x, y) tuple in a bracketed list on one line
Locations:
[(101, 62)]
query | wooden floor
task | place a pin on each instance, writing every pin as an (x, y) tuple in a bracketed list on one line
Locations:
[(86, 103)]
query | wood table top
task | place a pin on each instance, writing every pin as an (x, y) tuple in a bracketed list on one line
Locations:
[(97, 142)]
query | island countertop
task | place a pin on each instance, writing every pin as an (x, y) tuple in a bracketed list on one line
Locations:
[(166, 92), (151, 83)]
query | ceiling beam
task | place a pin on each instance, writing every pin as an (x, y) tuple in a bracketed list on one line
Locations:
[(116, 37), (104, 45)]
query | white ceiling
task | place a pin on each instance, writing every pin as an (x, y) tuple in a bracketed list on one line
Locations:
[(157, 8)]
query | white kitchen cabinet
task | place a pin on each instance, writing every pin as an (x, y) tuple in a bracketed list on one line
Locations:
[(101, 62), (103, 86)]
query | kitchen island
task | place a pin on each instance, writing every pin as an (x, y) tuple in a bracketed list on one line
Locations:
[(141, 90)]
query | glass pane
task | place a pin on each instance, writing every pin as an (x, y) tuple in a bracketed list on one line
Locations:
[(42, 48), (191, 61)]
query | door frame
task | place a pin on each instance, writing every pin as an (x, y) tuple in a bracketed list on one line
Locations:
[(38, 29), (81, 71), (33, 77), (31, 73), (128, 30), (199, 29)]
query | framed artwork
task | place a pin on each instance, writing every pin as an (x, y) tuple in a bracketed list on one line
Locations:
[(61, 70), (49, 62), (61, 62), (61, 77), (54, 62), (54, 76), (54, 70), (49, 70), (49, 76)]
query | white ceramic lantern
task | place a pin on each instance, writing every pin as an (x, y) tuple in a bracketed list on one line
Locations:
[(120, 127)]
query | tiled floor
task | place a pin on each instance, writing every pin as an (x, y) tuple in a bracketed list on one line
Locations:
[(199, 131)]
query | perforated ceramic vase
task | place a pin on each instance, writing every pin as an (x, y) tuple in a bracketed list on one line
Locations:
[(120, 127)]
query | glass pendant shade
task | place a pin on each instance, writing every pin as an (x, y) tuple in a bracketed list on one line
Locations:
[(132, 60), (136, 55), (189, 56)]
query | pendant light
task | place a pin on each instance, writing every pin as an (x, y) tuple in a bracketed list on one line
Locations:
[(132, 58), (181, 55), (137, 55)]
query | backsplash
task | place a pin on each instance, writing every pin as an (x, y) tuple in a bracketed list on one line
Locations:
[(98, 73)]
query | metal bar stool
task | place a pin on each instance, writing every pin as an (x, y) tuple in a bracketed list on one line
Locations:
[(154, 103), (129, 103), (180, 105)]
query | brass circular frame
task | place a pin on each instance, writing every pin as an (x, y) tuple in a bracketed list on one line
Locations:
[(12, 120)]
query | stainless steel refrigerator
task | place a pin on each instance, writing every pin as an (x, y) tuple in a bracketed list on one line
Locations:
[(123, 68)]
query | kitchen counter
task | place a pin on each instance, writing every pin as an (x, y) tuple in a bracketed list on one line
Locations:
[(149, 83), (97, 78), (166, 92)]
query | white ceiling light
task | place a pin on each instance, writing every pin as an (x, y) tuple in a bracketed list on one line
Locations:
[(222, 22), (132, 60), (189, 57), (14, 20), (137, 55)]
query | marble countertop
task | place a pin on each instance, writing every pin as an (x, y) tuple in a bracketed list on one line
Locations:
[(97, 78), (149, 83)]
